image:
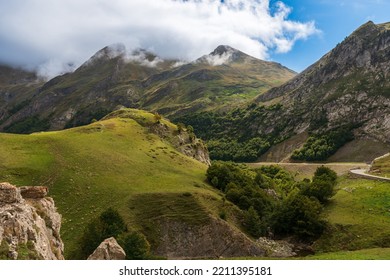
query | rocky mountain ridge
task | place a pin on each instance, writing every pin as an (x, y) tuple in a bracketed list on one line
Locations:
[(115, 77), (343, 97), (348, 87)]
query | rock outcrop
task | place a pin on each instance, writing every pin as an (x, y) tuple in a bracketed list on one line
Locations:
[(109, 249), (29, 224)]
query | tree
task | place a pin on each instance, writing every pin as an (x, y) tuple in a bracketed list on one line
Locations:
[(135, 245), (108, 224), (326, 171), (112, 224), (253, 223), (299, 215), (322, 186)]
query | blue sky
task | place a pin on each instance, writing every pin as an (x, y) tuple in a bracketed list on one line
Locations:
[(335, 20), (55, 36)]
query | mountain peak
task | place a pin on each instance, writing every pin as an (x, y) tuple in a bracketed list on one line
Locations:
[(111, 51), (119, 51), (223, 54), (223, 49), (366, 29)]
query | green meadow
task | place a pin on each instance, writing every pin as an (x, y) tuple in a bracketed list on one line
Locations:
[(101, 165)]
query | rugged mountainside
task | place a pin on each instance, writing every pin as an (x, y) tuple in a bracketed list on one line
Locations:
[(350, 84), (348, 88), (109, 78), (223, 79), (343, 96), (114, 77), (17, 88), (29, 224)]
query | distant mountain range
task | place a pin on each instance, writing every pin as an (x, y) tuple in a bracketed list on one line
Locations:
[(226, 96), (114, 77), (342, 102)]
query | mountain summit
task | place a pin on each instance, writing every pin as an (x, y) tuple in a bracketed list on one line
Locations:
[(224, 54)]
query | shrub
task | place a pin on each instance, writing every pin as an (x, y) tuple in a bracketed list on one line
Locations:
[(157, 117), (253, 223), (299, 215), (111, 223), (135, 245), (322, 186), (222, 214), (108, 224)]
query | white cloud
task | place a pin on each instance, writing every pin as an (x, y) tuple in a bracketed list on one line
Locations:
[(55, 33)]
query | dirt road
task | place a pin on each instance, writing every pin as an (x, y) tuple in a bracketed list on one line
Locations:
[(306, 170)]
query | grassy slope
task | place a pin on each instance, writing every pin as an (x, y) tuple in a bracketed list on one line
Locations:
[(359, 215), (231, 85), (381, 166), (93, 167), (359, 219), (365, 254)]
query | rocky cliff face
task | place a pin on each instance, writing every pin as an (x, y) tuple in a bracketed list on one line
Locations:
[(29, 224), (184, 141), (348, 90), (348, 86)]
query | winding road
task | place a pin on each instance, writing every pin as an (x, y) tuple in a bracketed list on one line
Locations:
[(361, 173), (307, 169)]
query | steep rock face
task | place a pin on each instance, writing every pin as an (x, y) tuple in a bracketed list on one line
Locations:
[(30, 225), (215, 239), (348, 87), (109, 249)]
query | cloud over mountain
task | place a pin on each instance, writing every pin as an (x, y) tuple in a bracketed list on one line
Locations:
[(60, 35)]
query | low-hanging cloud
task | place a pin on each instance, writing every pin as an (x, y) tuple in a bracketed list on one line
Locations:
[(56, 36)]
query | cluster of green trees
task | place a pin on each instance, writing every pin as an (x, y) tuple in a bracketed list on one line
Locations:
[(226, 134), (321, 147), (111, 224), (231, 150), (272, 200), (28, 125)]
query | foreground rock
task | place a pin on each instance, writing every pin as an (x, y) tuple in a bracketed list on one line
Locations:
[(29, 224), (109, 249)]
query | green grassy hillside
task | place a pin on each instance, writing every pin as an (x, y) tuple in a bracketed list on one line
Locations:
[(201, 86), (101, 165), (359, 218), (381, 166)]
